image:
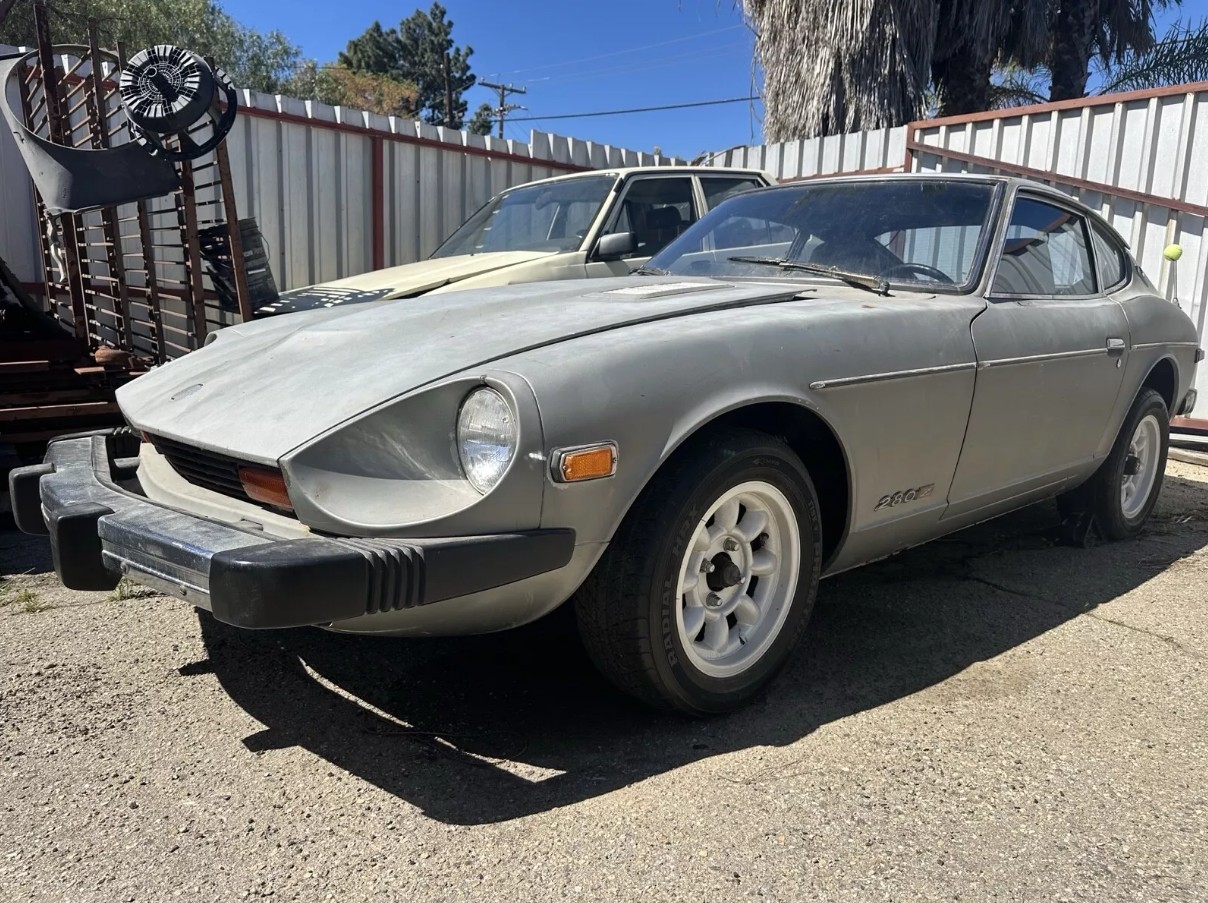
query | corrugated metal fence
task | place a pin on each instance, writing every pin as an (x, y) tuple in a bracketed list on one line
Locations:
[(1140, 159)]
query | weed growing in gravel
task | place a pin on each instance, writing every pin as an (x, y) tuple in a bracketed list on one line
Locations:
[(29, 602), (128, 589)]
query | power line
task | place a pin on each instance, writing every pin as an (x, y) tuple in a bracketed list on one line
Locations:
[(602, 56), (670, 106), (633, 66)]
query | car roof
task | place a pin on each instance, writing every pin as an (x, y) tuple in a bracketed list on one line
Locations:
[(626, 171), (1018, 181)]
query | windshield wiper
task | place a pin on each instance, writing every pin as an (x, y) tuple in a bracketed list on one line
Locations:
[(859, 280), (649, 271)]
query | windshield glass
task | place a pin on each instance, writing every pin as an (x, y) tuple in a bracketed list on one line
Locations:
[(551, 217), (924, 231)]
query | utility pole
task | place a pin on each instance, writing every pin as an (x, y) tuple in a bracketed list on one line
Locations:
[(504, 107), (448, 91)]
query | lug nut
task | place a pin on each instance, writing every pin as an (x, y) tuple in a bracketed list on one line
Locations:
[(707, 566), (730, 545), (713, 600)]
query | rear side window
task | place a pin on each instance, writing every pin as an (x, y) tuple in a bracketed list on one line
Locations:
[(1111, 259), (1047, 253), (718, 189)]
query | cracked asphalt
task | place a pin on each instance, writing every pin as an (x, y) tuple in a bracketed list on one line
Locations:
[(988, 718)]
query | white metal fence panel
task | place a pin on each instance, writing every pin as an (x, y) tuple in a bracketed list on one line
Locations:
[(881, 150)]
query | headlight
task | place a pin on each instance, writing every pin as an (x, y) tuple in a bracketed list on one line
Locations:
[(486, 438)]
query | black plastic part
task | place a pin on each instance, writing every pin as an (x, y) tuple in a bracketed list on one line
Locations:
[(301, 582), (75, 547), (288, 584), (25, 498), (458, 567)]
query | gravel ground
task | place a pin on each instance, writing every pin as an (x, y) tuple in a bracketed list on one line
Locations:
[(990, 717)]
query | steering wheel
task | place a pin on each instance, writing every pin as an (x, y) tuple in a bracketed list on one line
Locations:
[(921, 269)]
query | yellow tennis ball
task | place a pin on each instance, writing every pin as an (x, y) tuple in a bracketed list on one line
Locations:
[(1173, 252)]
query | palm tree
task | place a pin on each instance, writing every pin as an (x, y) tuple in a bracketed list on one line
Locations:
[(1180, 57), (1108, 29), (835, 66)]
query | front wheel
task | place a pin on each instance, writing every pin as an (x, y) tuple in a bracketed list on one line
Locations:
[(709, 582)]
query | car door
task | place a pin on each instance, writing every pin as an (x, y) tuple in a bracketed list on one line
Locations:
[(655, 209), (1051, 351)]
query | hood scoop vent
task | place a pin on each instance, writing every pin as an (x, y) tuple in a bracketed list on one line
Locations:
[(663, 290)]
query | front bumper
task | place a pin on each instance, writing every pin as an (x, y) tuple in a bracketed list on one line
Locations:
[(86, 497)]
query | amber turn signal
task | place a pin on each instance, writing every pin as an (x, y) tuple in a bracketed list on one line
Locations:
[(264, 485), (591, 462)]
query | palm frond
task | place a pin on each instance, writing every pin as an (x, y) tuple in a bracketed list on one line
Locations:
[(1181, 56)]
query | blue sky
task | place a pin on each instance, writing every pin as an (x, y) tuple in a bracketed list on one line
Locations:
[(578, 57)]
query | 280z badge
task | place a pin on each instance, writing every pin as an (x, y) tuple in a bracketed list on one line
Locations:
[(904, 496)]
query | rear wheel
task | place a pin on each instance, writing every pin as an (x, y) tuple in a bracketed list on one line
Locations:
[(1122, 493), (709, 582)]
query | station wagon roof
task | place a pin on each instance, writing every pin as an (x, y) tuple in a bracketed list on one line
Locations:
[(626, 171)]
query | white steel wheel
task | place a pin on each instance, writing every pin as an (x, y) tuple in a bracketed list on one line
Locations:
[(1140, 466), (1122, 493), (738, 578), (708, 584)]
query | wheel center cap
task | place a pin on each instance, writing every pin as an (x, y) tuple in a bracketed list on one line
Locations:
[(725, 573)]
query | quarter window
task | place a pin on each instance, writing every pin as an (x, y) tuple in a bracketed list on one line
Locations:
[(1110, 257), (1046, 253), (717, 189)]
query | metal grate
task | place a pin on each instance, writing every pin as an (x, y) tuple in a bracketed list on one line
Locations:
[(200, 467)]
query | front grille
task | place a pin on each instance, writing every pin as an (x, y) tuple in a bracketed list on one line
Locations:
[(207, 469)]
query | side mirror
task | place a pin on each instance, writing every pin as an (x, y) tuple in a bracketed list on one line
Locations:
[(615, 246)]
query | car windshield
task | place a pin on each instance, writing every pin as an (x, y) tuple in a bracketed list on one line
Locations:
[(552, 217), (870, 232)]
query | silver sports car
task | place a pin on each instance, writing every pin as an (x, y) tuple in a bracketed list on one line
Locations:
[(811, 377)]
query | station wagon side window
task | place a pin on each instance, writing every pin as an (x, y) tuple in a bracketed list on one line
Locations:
[(1046, 253), (1112, 260), (655, 211), (718, 188)]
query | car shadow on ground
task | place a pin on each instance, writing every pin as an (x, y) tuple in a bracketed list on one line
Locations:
[(22, 554), (487, 729)]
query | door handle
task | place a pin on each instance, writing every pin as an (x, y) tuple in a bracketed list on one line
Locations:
[(1116, 345)]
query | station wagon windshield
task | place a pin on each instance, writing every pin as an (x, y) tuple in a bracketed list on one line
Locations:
[(551, 217), (925, 232)]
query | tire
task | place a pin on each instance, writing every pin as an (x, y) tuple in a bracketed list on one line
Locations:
[(1142, 442), (639, 613)]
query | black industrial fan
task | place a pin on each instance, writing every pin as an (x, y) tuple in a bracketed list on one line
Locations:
[(178, 107)]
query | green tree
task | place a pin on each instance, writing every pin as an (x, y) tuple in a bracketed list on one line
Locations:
[(261, 61), (377, 51), (483, 121), (420, 52)]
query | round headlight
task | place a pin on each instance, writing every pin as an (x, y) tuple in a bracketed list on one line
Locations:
[(486, 438)]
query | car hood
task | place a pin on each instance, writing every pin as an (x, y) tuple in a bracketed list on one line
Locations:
[(261, 389), (397, 282)]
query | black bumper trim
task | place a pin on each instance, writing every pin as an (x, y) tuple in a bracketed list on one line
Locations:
[(23, 496), (99, 532)]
